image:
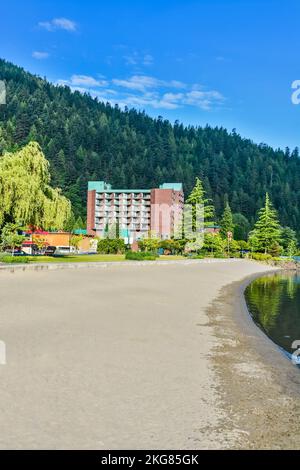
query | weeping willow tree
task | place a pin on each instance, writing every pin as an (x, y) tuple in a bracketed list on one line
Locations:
[(26, 196)]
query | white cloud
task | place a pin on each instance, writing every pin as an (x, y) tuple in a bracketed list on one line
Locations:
[(136, 58), (144, 82), (58, 23), (148, 100), (203, 99), (173, 97), (40, 55), (137, 82), (176, 84), (148, 59), (142, 91), (110, 91), (83, 80), (87, 81), (131, 59)]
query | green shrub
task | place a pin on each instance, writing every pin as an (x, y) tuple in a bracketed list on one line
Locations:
[(140, 256), (7, 258), (174, 247), (149, 245), (111, 246), (243, 245), (219, 255), (261, 257), (276, 249)]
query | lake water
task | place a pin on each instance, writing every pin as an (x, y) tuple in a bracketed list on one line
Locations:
[(274, 303)]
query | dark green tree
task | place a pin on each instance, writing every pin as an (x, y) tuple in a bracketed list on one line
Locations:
[(241, 227), (287, 236), (267, 228), (197, 199), (70, 224), (226, 222)]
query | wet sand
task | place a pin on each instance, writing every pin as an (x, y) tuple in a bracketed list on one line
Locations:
[(149, 356), (260, 387)]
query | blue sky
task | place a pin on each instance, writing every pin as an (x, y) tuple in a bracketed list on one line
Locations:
[(223, 62)]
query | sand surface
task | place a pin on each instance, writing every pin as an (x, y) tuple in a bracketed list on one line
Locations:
[(124, 357)]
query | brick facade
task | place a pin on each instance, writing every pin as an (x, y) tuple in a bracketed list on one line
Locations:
[(91, 206), (134, 212)]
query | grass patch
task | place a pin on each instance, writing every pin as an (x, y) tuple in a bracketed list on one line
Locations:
[(76, 258), (95, 258)]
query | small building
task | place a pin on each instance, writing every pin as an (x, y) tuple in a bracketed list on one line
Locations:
[(61, 240)]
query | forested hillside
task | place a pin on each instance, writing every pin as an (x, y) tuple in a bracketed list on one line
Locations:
[(85, 139)]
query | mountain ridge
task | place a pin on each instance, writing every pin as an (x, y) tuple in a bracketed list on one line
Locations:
[(85, 139)]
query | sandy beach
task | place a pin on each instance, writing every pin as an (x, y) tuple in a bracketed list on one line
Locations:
[(150, 356)]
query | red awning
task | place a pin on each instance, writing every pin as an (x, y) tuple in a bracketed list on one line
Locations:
[(36, 232)]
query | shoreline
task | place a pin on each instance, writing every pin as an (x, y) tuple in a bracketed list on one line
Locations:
[(108, 264), (259, 384)]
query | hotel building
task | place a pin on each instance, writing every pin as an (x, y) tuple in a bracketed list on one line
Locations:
[(134, 213)]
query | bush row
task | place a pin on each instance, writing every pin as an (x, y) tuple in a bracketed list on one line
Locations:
[(261, 257), (6, 258)]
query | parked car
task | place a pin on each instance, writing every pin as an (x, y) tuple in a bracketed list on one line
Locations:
[(30, 248), (50, 250), (65, 250), (15, 252)]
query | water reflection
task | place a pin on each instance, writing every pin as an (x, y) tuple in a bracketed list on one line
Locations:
[(274, 303)]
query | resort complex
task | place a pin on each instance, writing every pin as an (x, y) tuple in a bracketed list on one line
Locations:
[(133, 213)]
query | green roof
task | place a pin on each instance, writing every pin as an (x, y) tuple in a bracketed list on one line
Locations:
[(80, 231), (98, 186), (102, 187), (174, 186)]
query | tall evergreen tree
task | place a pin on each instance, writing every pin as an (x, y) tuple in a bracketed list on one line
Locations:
[(241, 226), (79, 224), (198, 200), (226, 222), (267, 228), (70, 223), (287, 236)]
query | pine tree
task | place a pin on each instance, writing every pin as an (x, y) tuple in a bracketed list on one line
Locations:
[(267, 228), (226, 222), (241, 226), (197, 199), (292, 248), (79, 224), (70, 223), (287, 236)]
